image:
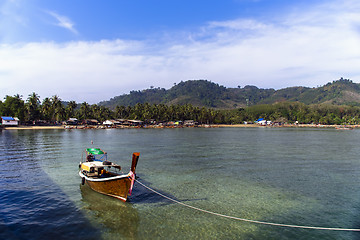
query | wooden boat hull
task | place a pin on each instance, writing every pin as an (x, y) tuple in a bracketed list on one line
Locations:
[(117, 186)]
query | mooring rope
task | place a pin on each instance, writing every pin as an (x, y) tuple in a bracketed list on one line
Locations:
[(248, 220)]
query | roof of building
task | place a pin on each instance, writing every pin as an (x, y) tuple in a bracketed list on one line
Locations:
[(8, 118)]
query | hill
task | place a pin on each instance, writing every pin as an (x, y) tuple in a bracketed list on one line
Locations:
[(203, 93)]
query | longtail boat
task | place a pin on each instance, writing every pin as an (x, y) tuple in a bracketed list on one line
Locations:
[(344, 128), (104, 176)]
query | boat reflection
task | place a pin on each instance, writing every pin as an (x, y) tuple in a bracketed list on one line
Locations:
[(113, 217)]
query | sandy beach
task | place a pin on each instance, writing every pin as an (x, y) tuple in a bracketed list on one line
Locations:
[(288, 125), (33, 127), (202, 126)]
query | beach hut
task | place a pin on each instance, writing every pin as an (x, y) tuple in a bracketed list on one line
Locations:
[(262, 122), (115, 122), (135, 122), (91, 122), (189, 123), (108, 123), (9, 121), (72, 121)]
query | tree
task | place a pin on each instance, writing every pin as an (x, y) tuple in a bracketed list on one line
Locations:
[(138, 111), (70, 109), (46, 109), (100, 113), (120, 112), (14, 107), (58, 108), (84, 111), (33, 107), (1, 108)]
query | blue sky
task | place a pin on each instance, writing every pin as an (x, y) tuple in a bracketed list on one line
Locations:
[(88, 50)]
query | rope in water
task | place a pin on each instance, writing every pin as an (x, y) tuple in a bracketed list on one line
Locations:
[(248, 220)]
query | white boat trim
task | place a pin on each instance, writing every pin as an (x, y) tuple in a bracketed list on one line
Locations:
[(102, 179), (115, 196)]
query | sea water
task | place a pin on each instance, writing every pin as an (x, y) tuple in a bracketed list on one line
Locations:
[(299, 176)]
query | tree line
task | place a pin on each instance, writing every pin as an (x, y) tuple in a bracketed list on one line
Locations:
[(53, 110)]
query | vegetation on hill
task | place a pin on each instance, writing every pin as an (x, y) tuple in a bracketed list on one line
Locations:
[(195, 92), (53, 110), (203, 93), (205, 102)]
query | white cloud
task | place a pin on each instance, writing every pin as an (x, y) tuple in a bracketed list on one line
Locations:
[(306, 48), (81, 71)]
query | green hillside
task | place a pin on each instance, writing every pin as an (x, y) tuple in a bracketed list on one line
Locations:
[(203, 93)]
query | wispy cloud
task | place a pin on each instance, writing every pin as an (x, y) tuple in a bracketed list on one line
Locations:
[(239, 24), (12, 19), (63, 21)]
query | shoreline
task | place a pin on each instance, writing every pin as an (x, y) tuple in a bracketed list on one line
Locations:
[(32, 127), (288, 126), (81, 127)]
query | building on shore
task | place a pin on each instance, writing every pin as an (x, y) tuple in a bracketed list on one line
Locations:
[(9, 121), (72, 121), (90, 122)]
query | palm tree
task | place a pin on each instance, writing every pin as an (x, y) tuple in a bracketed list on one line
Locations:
[(138, 111), (147, 112), (58, 108), (70, 109), (33, 107), (84, 111), (95, 112), (105, 113), (120, 112), (46, 109)]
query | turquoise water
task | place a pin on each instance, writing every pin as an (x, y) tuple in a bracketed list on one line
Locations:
[(293, 176)]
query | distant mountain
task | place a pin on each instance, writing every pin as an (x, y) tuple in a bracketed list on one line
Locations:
[(340, 92), (208, 94)]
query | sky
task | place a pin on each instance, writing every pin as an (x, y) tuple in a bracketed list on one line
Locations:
[(90, 51)]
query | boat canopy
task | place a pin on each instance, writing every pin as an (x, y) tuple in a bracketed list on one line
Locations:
[(95, 154), (94, 151)]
